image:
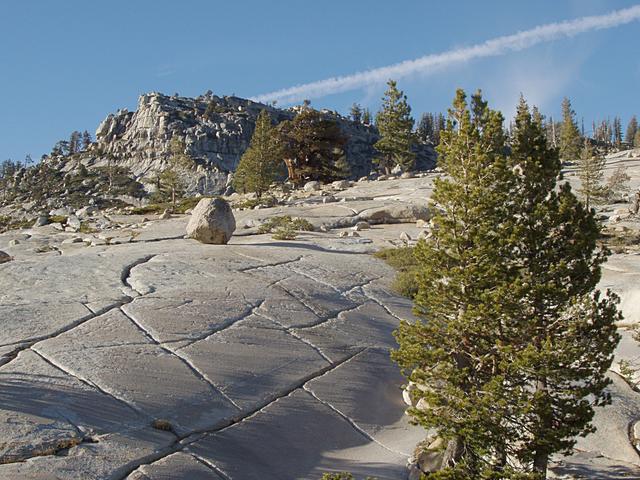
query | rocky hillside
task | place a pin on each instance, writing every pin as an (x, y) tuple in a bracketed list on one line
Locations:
[(216, 132)]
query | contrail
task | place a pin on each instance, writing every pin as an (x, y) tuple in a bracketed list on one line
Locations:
[(430, 63)]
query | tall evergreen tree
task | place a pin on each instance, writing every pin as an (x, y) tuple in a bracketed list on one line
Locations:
[(513, 352), (617, 132), (426, 127), (74, 142), (366, 117), (636, 139), (396, 136), (591, 174), (86, 140), (258, 167), (312, 145), (356, 113), (632, 129), (171, 184), (569, 133)]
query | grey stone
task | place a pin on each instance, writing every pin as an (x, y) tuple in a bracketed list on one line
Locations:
[(87, 211), (60, 212), (5, 257), (312, 186), (396, 213), (102, 349), (212, 221), (277, 440), (370, 399), (362, 225), (341, 184), (72, 240), (41, 221), (176, 466), (73, 222), (244, 358)]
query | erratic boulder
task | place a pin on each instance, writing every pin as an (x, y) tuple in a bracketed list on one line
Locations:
[(398, 213), (212, 221), (5, 257)]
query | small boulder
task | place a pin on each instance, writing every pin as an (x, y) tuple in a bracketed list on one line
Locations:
[(406, 175), (5, 257), (341, 184), (73, 222), (14, 242), (312, 186), (60, 212), (72, 240), (86, 211), (362, 225), (41, 221), (166, 215), (212, 221), (404, 236)]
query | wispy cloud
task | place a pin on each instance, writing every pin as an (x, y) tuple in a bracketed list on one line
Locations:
[(435, 62)]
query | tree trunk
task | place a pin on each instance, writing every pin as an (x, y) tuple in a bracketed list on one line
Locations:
[(291, 172), (453, 452), (541, 457), (540, 462)]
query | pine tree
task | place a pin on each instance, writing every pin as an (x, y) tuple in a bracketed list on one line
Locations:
[(590, 168), (366, 117), (426, 127), (618, 183), (636, 139), (457, 271), (395, 125), (258, 167), (632, 129), (513, 352), (86, 140), (356, 113), (617, 132), (569, 134), (312, 145), (74, 142), (170, 182)]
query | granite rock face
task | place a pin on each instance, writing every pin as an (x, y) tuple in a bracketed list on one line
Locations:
[(215, 139)]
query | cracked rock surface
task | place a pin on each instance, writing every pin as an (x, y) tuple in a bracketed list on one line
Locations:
[(166, 358), (163, 358)]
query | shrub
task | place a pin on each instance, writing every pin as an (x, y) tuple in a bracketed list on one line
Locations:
[(402, 259), (273, 224)]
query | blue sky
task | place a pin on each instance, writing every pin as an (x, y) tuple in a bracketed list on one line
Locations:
[(67, 64)]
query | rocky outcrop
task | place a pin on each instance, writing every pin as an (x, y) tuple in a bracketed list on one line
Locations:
[(212, 221), (216, 132)]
